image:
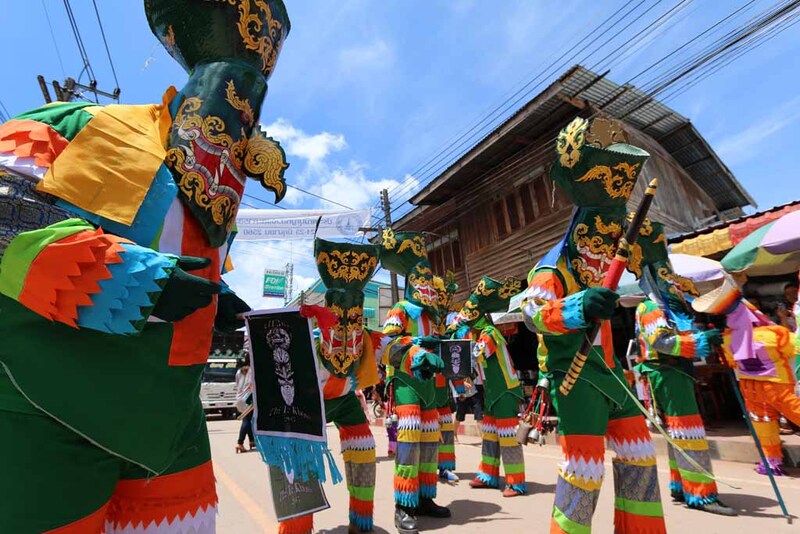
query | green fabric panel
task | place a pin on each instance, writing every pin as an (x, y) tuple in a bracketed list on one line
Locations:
[(442, 396), (495, 386), (50, 464), (345, 411), (361, 493), (489, 460), (649, 509), (67, 118), (693, 476), (505, 406), (447, 448), (118, 385), (513, 468), (674, 391), (24, 248), (406, 471), (11, 399), (568, 525), (428, 467), (561, 351)]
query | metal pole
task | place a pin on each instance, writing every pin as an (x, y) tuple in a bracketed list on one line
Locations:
[(43, 87), (387, 217), (758, 447)]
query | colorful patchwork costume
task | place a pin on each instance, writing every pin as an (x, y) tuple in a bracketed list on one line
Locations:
[(762, 353), (103, 210), (347, 363), (411, 360), (500, 382), (597, 170), (444, 400), (670, 342)]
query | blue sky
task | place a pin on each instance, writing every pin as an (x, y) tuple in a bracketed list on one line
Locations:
[(365, 91)]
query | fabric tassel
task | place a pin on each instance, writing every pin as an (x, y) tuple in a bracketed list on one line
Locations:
[(302, 457)]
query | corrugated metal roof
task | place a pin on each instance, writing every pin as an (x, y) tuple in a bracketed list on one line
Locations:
[(547, 111)]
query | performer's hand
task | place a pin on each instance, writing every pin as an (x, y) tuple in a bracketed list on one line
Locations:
[(425, 364), (428, 342), (229, 307), (714, 337), (599, 303), (185, 293)]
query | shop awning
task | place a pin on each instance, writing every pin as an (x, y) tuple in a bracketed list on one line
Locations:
[(722, 237)]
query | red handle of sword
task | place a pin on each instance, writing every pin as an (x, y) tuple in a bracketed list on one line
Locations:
[(611, 281)]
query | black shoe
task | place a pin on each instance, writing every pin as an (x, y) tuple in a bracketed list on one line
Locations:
[(677, 496), (404, 522), (718, 508), (430, 509)]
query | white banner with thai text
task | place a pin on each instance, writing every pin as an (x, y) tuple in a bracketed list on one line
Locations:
[(267, 225)]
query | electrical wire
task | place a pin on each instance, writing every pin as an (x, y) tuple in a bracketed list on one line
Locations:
[(105, 43), (688, 68), (79, 41), (4, 114), (53, 37)]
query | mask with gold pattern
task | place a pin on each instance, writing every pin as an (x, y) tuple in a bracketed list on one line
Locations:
[(345, 269), (229, 48)]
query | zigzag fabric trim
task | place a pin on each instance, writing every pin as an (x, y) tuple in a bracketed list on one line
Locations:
[(202, 521), (125, 299)]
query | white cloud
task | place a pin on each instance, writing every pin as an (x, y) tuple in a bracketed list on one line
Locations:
[(365, 59), (312, 148), (749, 143)]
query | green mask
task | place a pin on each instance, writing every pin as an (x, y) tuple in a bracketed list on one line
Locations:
[(597, 170), (406, 254), (345, 269), (229, 48), (489, 297)]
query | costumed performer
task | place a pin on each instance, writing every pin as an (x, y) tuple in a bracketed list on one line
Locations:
[(762, 354), (411, 361), (347, 363), (597, 169), (115, 223), (670, 342), (501, 385)]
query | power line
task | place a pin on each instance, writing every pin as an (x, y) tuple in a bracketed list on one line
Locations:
[(53, 37), (87, 66), (319, 196), (693, 63), (765, 21), (105, 43)]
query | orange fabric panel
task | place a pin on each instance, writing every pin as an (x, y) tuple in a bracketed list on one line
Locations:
[(583, 446), (31, 139), (168, 497), (191, 338), (628, 428), (65, 274)]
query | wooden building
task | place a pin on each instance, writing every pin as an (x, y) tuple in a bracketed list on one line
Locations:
[(495, 210)]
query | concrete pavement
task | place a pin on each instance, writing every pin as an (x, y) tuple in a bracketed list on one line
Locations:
[(245, 503)]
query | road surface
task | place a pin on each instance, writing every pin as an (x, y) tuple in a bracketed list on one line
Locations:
[(245, 505)]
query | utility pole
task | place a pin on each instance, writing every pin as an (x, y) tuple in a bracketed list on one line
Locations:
[(72, 89), (289, 284), (387, 217)]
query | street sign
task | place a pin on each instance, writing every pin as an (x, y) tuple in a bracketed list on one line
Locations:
[(274, 283)]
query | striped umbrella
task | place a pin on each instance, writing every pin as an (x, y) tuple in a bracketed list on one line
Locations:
[(754, 259)]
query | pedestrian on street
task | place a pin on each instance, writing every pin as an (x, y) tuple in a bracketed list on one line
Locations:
[(470, 402), (244, 403)]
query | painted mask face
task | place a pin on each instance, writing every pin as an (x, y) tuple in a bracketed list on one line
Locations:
[(420, 287), (489, 296), (229, 50), (345, 269), (593, 244), (342, 345)]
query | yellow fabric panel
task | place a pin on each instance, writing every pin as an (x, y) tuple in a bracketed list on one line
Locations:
[(367, 370), (704, 245), (109, 166), (409, 435), (359, 457), (692, 444), (586, 484)]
